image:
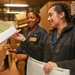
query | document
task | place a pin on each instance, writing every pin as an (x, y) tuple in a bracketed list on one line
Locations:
[(6, 30), (35, 67)]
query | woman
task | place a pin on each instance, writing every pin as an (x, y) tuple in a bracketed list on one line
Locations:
[(58, 47), (34, 32)]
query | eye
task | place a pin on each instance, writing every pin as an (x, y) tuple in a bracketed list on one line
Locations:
[(50, 14), (32, 17)]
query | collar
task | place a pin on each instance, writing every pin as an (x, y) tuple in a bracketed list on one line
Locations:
[(65, 29)]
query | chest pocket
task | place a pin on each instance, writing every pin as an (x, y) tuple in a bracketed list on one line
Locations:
[(58, 48), (60, 42)]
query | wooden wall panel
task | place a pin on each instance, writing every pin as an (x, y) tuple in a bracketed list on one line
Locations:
[(44, 15), (4, 1)]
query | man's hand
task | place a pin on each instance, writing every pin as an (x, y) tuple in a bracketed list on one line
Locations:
[(10, 49), (19, 37), (20, 56)]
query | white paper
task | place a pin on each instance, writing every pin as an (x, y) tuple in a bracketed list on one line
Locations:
[(6, 34), (35, 67), (6, 31)]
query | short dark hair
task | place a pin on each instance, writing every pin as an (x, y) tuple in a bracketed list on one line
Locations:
[(35, 12)]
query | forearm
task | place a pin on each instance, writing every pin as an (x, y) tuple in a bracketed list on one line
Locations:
[(32, 50)]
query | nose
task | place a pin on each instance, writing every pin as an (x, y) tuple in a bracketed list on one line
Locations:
[(48, 18), (29, 19)]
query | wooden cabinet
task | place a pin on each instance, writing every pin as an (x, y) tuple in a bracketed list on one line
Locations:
[(8, 13)]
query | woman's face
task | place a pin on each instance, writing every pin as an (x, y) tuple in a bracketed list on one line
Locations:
[(53, 17), (31, 19)]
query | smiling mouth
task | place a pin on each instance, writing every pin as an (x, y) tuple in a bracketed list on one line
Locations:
[(30, 24), (50, 23)]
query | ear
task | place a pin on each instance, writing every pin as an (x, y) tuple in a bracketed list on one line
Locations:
[(62, 14), (37, 19)]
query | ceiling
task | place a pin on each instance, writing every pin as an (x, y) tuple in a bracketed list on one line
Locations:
[(36, 4), (30, 2)]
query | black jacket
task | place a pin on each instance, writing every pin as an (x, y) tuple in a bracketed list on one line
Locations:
[(38, 34), (64, 49)]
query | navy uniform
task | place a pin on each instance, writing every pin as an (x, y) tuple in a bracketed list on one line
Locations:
[(35, 37)]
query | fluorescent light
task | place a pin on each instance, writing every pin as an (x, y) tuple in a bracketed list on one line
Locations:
[(14, 12), (16, 5)]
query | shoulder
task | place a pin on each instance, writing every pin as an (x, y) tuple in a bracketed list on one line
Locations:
[(74, 28), (41, 29), (74, 31)]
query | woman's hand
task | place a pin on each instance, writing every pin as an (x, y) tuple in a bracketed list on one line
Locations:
[(49, 66), (19, 37)]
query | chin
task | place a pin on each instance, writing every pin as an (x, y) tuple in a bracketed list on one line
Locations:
[(30, 26), (52, 26)]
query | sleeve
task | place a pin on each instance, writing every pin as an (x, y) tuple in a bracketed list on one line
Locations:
[(20, 50), (35, 51), (68, 64)]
